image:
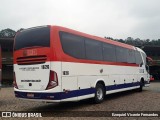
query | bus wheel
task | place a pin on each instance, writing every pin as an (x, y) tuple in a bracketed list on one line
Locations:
[(141, 86), (99, 94)]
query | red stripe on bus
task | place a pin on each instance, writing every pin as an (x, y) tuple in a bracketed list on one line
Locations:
[(55, 51)]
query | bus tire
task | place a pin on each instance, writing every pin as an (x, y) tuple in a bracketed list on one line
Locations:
[(99, 94), (141, 86)]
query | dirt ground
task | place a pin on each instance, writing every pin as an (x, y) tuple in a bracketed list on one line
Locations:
[(148, 100)]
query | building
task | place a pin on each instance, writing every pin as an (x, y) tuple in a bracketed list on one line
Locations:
[(7, 60)]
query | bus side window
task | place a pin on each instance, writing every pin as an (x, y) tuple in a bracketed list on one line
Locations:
[(73, 45), (93, 49), (121, 54), (109, 52), (131, 56), (139, 60), (144, 58)]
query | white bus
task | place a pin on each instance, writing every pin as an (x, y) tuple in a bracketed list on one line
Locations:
[(56, 64)]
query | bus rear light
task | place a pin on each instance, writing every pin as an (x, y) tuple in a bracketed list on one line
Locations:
[(14, 81), (53, 80)]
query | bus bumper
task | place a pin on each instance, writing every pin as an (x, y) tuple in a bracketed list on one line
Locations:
[(35, 96)]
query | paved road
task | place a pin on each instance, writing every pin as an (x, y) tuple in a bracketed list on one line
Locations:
[(148, 100)]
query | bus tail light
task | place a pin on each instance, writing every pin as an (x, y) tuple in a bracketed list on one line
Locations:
[(14, 81), (53, 80)]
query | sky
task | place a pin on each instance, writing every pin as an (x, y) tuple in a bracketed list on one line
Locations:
[(118, 19)]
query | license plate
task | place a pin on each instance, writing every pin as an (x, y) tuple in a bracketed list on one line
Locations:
[(31, 95)]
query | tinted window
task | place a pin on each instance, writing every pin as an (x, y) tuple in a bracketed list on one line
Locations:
[(109, 52), (72, 45), (144, 57), (121, 54), (131, 56), (93, 49), (39, 36), (138, 58)]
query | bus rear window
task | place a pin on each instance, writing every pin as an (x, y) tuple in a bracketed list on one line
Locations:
[(39, 36)]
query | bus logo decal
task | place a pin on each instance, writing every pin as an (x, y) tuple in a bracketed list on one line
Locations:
[(25, 53), (29, 52)]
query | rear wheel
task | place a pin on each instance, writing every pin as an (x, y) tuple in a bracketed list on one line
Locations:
[(99, 94)]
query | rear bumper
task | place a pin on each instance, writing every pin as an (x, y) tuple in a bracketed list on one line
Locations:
[(54, 97), (41, 100)]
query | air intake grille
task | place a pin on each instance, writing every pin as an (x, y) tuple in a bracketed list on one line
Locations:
[(30, 60)]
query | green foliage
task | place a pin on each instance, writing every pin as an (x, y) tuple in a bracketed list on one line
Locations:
[(20, 29), (138, 41), (7, 33)]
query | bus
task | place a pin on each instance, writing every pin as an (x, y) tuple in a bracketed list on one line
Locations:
[(0, 67), (57, 64)]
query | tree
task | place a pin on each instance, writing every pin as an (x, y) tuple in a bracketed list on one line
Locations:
[(20, 29), (130, 41), (147, 42), (7, 33), (121, 40), (158, 42), (138, 41), (108, 38)]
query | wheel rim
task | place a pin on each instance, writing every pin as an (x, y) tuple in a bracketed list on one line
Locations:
[(99, 93)]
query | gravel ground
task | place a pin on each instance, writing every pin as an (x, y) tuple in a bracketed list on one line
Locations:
[(148, 100)]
